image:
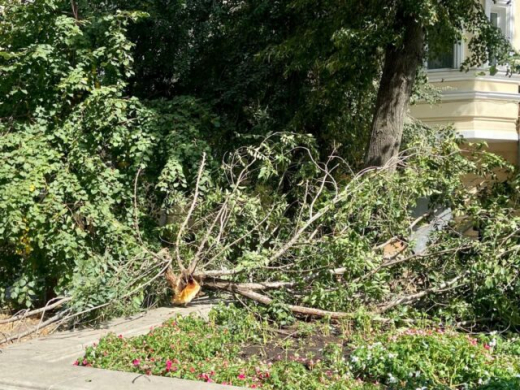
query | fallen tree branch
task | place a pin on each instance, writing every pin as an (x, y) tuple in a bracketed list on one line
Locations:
[(224, 284), (35, 312), (41, 326), (294, 308), (234, 288), (450, 284)]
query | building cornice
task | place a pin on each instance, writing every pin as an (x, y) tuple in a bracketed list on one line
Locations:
[(450, 96), (447, 75), (489, 135)]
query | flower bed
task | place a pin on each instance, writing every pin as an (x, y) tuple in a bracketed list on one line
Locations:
[(234, 348)]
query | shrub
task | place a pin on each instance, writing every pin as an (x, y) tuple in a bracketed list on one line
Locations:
[(435, 359)]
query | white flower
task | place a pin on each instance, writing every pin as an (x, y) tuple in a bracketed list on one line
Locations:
[(392, 355), (493, 343), (354, 359), (391, 379)]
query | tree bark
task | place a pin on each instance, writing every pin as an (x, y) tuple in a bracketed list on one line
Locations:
[(399, 71)]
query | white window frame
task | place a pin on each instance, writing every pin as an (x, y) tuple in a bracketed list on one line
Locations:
[(504, 8)]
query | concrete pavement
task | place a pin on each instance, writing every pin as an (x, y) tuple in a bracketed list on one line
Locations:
[(46, 363)]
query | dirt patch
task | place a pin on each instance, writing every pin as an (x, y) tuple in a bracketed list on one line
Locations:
[(306, 349)]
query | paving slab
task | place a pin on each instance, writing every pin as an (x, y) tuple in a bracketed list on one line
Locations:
[(46, 363)]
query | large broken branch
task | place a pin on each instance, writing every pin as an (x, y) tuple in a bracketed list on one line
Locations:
[(226, 285), (235, 288)]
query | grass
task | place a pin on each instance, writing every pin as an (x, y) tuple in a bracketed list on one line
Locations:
[(235, 348)]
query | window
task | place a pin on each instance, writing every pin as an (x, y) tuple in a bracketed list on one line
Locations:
[(442, 60), (442, 55), (499, 14)]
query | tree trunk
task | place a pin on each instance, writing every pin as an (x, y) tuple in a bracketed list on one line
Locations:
[(400, 68)]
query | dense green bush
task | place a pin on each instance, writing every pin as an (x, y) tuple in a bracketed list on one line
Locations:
[(72, 145)]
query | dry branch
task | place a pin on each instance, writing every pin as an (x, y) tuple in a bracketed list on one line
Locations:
[(35, 312), (407, 299), (234, 288), (226, 284), (40, 326)]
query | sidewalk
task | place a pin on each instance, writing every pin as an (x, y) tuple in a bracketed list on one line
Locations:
[(46, 363)]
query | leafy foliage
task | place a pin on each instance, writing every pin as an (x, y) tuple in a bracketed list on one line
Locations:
[(72, 145), (416, 358), (106, 112)]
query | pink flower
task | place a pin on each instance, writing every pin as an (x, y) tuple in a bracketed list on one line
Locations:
[(487, 347), (136, 362), (76, 363), (168, 365), (192, 370), (85, 362), (120, 336), (241, 376)]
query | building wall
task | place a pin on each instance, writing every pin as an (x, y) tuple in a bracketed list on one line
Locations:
[(480, 106)]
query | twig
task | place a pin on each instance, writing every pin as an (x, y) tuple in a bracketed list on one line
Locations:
[(35, 312), (414, 297), (37, 328), (188, 216)]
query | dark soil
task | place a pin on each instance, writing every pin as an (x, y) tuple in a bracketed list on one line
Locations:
[(291, 345)]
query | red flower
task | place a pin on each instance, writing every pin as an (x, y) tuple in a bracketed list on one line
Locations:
[(136, 362), (168, 365), (85, 362), (120, 336), (486, 346), (241, 376)]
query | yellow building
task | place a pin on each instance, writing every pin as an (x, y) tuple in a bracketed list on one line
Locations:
[(481, 107)]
